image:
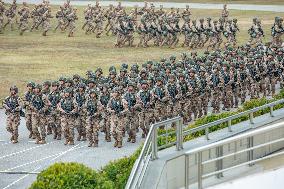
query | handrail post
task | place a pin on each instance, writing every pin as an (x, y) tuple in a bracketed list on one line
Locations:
[(219, 163), (186, 184), (271, 111), (251, 118), (207, 133), (199, 170), (154, 154), (229, 125), (179, 136)]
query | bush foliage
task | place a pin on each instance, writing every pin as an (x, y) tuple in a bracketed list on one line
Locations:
[(116, 173)]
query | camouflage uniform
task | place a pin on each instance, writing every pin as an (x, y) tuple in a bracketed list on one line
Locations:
[(93, 107), (12, 106), (28, 107), (277, 31), (131, 117), (117, 109), (105, 123), (80, 119), (53, 117), (39, 106), (46, 21), (71, 18), (11, 15), (24, 13), (255, 32), (68, 109), (2, 11)]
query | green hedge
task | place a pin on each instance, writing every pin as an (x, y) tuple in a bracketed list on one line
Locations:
[(116, 173)]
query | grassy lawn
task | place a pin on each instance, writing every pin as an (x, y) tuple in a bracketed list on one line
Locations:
[(37, 58), (259, 2)]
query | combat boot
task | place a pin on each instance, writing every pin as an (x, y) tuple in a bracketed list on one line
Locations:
[(90, 144), (21, 32), (71, 142), (55, 136), (49, 131), (42, 141), (96, 143), (44, 33), (133, 140), (107, 138), (79, 137), (129, 139), (119, 144), (12, 138), (59, 137), (38, 140), (84, 138), (115, 143), (30, 135), (66, 142), (15, 139)]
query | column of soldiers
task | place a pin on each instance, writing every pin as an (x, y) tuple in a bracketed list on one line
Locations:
[(157, 26), (132, 98)]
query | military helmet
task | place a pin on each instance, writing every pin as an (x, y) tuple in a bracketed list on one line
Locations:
[(112, 68), (192, 70), (67, 90), (208, 19), (48, 83), (91, 81), (116, 90), (14, 88), (131, 84), (159, 79), (82, 85), (201, 20), (76, 76), (38, 86), (94, 91), (144, 82), (235, 20), (31, 84), (55, 83), (124, 65), (68, 80), (112, 72), (62, 79), (202, 69)]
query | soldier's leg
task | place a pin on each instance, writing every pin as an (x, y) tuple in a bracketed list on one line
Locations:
[(119, 130), (35, 125), (15, 126), (71, 127), (42, 123), (64, 125), (96, 129), (29, 124), (9, 125), (89, 129), (113, 123)]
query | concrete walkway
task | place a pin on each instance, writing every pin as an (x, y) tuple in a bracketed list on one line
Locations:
[(273, 8)]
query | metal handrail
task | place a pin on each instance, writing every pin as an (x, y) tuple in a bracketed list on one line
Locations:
[(200, 163), (140, 165), (232, 117), (152, 138)]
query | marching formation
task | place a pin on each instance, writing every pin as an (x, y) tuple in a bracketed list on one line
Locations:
[(152, 25), (130, 98)]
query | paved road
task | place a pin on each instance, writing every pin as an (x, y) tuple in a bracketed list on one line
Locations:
[(273, 8), (27, 156)]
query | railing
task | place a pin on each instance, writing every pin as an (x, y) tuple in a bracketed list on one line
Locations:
[(250, 148), (150, 148), (153, 141)]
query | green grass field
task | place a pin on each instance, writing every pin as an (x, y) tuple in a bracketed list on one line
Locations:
[(37, 58), (259, 2)]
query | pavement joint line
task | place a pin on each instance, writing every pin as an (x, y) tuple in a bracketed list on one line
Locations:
[(42, 159), (15, 153), (21, 178), (66, 151)]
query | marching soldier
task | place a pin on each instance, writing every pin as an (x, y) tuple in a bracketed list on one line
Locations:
[(12, 106)]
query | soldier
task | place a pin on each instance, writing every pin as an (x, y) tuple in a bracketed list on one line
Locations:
[(54, 116), (93, 107), (117, 109), (35, 15), (159, 96), (68, 109), (24, 13), (12, 106), (225, 13), (60, 16), (104, 99), (2, 11), (46, 91), (227, 79), (80, 119), (71, 18), (39, 106), (28, 107), (186, 13), (277, 31), (256, 33), (46, 21), (215, 83), (204, 90), (129, 98), (11, 15), (173, 108)]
